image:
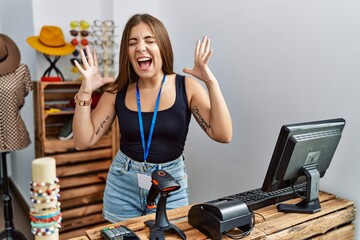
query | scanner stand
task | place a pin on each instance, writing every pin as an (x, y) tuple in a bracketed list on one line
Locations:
[(161, 222)]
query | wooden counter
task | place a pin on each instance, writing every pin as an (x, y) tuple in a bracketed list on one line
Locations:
[(334, 221)]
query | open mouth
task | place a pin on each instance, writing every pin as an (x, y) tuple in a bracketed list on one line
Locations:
[(144, 62)]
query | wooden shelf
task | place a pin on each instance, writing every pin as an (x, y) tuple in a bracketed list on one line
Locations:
[(82, 173)]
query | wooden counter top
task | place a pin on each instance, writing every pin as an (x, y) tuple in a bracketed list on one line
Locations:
[(334, 221)]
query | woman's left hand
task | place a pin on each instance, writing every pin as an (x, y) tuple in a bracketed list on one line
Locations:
[(203, 54)]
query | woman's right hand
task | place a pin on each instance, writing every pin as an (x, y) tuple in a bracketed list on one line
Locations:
[(90, 71)]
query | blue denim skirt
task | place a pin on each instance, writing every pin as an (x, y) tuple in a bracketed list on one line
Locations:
[(124, 199)]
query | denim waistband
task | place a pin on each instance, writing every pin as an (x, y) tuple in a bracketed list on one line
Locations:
[(131, 164)]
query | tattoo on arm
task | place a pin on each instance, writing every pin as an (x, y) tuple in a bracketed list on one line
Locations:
[(102, 124), (203, 124)]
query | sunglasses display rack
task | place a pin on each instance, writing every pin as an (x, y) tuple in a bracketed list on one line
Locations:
[(100, 37), (79, 31), (103, 40)]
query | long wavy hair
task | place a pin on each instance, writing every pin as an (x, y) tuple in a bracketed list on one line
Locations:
[(127, 73)]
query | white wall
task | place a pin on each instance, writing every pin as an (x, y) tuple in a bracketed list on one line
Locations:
[(278, 62)]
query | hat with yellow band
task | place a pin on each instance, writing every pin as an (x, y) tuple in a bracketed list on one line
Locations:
[(51, 41)]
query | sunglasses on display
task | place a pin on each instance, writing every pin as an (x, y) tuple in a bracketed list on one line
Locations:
[(75, 53), (84, 25), (75, 33), (83, 42), (72, 60), (105, 43), (106, 23), (107, 61), (74, 69), (100, 32)]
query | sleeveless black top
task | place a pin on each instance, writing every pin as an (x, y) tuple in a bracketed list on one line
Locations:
[(170, 131)]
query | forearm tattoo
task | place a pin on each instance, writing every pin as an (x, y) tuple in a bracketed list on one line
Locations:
[(203, 124), (102, 124)]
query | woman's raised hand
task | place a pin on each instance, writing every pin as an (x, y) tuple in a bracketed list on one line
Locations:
[(90, 71), (203, 54)]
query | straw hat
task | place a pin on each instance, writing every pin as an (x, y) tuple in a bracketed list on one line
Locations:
[(51, 41), (9, 55)]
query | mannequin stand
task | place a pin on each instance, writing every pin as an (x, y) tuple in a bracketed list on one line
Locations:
[(10, 233), (161, 222), (52, 66)]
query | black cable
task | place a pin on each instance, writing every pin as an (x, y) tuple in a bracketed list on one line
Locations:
[(144, 211), (243, 234), (261, 216), (296, 192)]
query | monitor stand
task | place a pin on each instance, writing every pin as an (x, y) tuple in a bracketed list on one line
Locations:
[(10, 233), (311, 203)]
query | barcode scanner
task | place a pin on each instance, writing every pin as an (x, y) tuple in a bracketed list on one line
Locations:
[(162, 183)]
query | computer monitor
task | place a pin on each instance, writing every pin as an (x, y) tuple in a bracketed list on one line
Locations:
[(303, 153)]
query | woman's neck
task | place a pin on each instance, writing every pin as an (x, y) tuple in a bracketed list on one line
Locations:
[(148, 83)]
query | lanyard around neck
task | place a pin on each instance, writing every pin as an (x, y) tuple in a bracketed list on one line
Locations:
[(146, 147)]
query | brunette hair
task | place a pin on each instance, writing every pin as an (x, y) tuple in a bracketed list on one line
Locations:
[(126, 72)]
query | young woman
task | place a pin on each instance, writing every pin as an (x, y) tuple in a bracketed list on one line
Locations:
[(153, 106)]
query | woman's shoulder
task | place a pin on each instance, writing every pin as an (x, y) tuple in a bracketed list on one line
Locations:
[(190, 82), (187, 79)]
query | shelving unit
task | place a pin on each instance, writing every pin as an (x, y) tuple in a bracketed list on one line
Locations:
[(83, 173)]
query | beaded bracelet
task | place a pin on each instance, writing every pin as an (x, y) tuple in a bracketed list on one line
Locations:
[(43, 184), (82, 103), (44, 193), (45, 220), (46, 232), (49, 215), (44, 211), (46, 200), (46, 225)]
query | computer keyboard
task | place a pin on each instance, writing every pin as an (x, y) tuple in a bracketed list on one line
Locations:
[(257, 198)]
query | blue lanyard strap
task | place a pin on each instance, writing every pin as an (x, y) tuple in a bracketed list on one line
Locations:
[(152, 126)]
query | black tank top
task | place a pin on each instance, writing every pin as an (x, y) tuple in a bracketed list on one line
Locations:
[(170, 131)]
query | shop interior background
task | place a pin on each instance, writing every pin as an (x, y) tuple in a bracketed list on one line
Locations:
[(277, 61)]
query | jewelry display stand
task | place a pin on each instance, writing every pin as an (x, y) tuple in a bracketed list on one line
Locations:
[(10, 233)]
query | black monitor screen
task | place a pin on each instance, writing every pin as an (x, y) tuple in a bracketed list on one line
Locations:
[(303, 153)]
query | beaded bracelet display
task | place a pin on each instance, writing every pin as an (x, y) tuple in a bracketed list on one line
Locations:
[(43, 184)]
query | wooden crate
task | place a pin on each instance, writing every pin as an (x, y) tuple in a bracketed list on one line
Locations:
[(83, 173)]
